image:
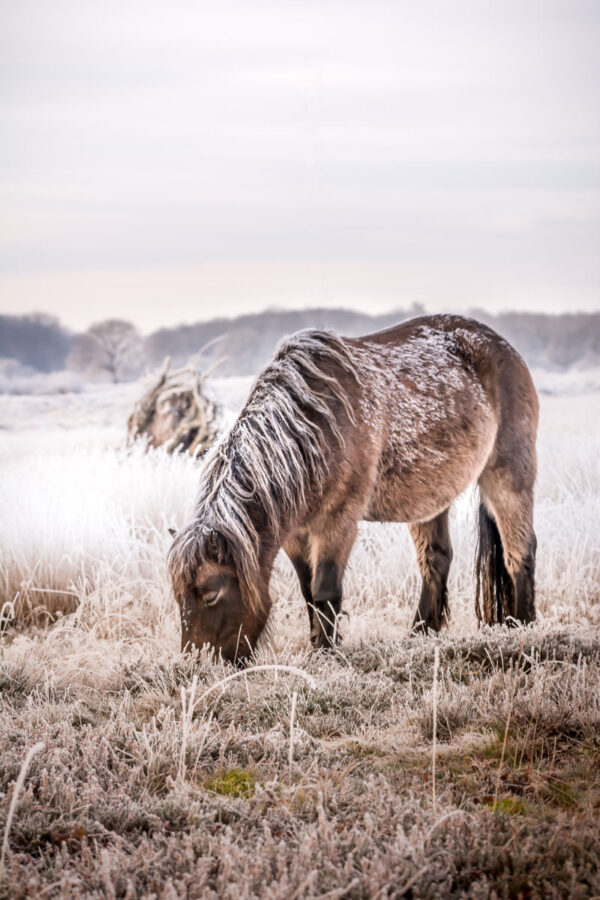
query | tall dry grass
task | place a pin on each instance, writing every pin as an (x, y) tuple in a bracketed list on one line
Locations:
[(84, 526), (311, 775)]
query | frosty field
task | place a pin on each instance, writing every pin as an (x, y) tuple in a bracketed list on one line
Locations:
[(311, 774)]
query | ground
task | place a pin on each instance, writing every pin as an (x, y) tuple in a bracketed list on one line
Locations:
[(158, 775)]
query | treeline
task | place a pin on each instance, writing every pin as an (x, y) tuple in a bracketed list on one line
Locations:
[(37, 341), (115, 350), (548, 341), (245, 343)]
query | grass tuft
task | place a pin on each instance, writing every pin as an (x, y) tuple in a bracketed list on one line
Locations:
[(508, 806), (236, 783)]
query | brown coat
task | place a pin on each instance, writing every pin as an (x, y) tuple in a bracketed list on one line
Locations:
[(391, 426)]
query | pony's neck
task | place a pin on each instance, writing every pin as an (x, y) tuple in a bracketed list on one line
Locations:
[(270, 535), (279, 493)]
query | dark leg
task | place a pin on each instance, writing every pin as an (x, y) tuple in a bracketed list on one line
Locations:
[(304, 573), (524, 579), (434, 555), (331, 549), (298, 550), (320, 560), (513, 513), (327, 594)]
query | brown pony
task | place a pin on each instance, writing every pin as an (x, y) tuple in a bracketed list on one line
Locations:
[(390, 427)]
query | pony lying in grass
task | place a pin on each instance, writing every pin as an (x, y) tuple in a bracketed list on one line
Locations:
[(390, 427)]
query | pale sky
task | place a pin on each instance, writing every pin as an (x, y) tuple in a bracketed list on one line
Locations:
[(172, 161)]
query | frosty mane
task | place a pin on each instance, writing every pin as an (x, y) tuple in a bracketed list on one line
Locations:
[(275, 454)]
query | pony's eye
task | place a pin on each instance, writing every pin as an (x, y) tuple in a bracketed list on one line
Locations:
[(212, 598)]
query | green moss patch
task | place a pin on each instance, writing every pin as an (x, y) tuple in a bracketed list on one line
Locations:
[(235, 783), (508, 806)]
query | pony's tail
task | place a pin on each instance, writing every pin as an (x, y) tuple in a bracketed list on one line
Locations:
[(495, 591)]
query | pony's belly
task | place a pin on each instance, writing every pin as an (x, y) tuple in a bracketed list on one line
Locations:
[(421, 489), (422, 510)]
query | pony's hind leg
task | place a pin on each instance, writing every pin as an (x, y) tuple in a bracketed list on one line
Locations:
[(434, 555), (507, 548)]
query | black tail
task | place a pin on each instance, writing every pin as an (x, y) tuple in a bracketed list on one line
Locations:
[(495, 596)]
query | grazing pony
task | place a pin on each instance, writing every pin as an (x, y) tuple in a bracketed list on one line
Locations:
[(390, 427)]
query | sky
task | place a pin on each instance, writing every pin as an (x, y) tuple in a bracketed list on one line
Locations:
[(172, 161)]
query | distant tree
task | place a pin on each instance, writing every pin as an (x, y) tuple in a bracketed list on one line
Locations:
[(35, 340), (112, 348)]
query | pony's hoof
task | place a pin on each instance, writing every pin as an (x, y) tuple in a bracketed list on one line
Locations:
[(419, 627), (321, 645), (322, 641)]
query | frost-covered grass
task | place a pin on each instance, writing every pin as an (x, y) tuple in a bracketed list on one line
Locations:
[(16, 378), (84, 521), (150, 784)]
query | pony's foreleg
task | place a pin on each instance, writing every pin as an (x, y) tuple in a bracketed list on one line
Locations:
[(434, 555), (327, 600), (330, 554), (298, 550)]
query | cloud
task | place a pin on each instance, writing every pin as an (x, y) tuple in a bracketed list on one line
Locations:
[(144, 135)]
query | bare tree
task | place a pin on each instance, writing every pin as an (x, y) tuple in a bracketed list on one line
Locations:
[(112, 347)]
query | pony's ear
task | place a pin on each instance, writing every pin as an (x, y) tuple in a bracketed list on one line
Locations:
[(216, 548), (172, 532)]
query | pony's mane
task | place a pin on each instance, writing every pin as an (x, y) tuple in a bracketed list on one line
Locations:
[(276, 452)]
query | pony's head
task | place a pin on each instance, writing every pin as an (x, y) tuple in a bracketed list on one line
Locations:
[(216, 604)]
